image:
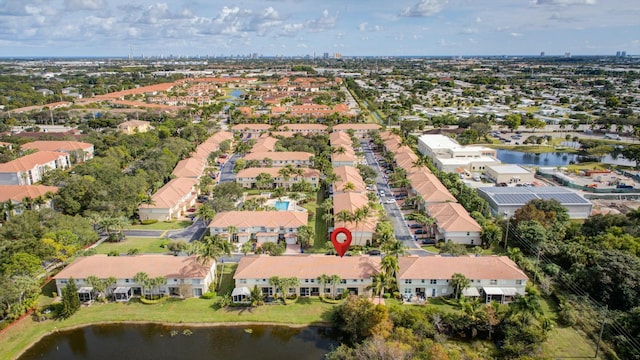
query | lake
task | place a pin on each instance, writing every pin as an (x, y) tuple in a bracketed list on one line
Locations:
[(154, 341), (554, 159)]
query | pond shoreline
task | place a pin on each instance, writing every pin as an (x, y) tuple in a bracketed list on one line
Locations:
[(176, 324)]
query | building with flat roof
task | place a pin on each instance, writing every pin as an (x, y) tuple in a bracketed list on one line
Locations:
[(509, 174), (506, 200), (449, 156)]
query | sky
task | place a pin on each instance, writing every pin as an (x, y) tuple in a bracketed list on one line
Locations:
[(32, 28)]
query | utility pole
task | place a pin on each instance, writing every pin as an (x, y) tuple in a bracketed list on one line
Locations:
[(604, 318), (506, 235)]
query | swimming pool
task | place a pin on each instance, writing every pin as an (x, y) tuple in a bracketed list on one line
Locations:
[(281, 205)]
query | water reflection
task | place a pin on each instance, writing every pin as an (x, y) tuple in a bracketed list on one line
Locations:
[(126, 341)]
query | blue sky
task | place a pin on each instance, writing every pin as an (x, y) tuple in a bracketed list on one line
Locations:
[(301, 27)]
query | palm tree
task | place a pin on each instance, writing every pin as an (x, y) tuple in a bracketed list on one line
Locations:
[(97, 284), (394, 248), (158, 282), (389, 265), (109, 283), (212, 248), (277, 283), (348, 186), (206, 213), (257, 297), (344, 216), (323, 280), (142, 279), (290, 282), (459, 282), (359, 216), (380, 281), (334, 280)]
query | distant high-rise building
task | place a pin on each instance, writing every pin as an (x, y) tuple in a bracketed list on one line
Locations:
[(325, 55), (337, 56), (623, 54), (541, 53), (567, 54), (617, 53)]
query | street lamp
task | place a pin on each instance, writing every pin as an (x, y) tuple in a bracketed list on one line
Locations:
[(506, 235)]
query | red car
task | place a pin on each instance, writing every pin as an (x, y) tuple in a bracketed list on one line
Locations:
[(191, 210)]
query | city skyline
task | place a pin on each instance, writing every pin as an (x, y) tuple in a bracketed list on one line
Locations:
[(38, 28)]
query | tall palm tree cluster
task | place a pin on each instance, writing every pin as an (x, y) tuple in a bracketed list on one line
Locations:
[(150, 286), (212, 248)]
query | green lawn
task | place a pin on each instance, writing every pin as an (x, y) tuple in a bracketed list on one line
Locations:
[(195, 310), (162, 225), (321, 230), (227, 284), (146, 246)]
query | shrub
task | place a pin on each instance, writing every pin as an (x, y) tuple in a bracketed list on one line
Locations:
[(113, 253), (148, 222), (209, 295), (153, 301)]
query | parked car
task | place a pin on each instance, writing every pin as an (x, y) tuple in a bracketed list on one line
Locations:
[(374, 252), (191, 210), (420, 231), (389, 201), (415, 226), (428, 241), (502, 184)]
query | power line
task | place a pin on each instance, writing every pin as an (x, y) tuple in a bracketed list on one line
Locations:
[(620, 329)]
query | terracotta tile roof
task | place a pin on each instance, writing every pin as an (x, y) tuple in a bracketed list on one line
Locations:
[(348, 174), (337, 138), (303, 127), (192, 167), (62, 146), (274, 172), (349, 201), (126, 267), (472, 267), (356, 127), (289, 219), (30, 161), (429, 187), (133, 123), (264, 144), (347, 156), (170, 194), (254, 127), (19, 192), (307, 266), (280, 156), (452, 217)]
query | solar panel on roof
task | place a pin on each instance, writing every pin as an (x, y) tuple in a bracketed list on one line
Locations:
[(568, 198), (513, 198)]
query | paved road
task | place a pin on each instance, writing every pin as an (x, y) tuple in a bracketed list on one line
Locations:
[(397, 219), (226, 172), (143, 233), (193, 232)]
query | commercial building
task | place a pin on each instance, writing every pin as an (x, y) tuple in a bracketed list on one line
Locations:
[(509, 174), (506, 200)]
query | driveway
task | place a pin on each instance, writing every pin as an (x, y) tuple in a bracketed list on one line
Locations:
[(400, 227), (226, 172), (193, 232)]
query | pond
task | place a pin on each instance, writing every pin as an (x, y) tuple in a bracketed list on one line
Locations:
[(235, 94), (154, 341), (554, 159)]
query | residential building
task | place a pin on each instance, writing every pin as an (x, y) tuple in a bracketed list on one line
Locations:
[(504, 201), (363, 231), (264, 144), (428, 187), (134, 126), (186, 276), (251, 130), (262, 226), (493, 278), (347, 175), (192, 167), (304, 129), (346, 157), (29, 169), (282, 158), (360, 130), (355, 273), (78, 151), (38, 195), (453, 222), (171, 200), (247, 177)]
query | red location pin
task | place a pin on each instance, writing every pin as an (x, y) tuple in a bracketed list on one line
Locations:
[(341, 247)]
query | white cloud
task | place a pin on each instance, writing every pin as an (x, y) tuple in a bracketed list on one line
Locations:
[(564, 2), (424, 8), (364, 26), (515, 34), (75, 5), (469, 31), (324, 22), (290, 30)]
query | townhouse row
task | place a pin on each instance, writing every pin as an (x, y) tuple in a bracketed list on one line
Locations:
[(452, 220), (492, 278)]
